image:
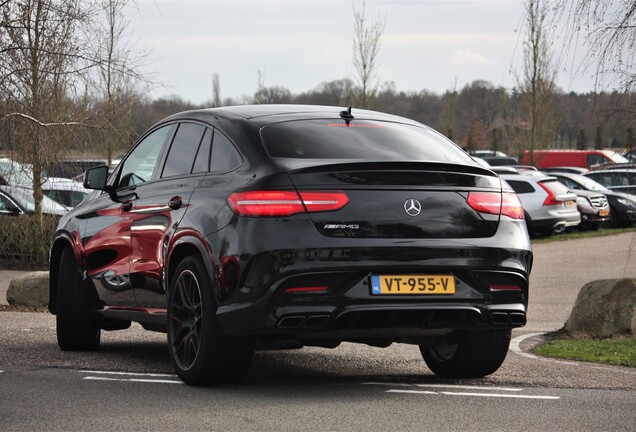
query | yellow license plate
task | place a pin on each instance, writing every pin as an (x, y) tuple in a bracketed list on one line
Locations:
[(412, 284), (603, 213)]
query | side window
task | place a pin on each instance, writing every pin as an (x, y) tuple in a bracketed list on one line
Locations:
[(224, 155), (202, 160), (140, 164), (4, 203), (593, 160), (183, 150)]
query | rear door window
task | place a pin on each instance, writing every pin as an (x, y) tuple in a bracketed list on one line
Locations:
[(180, 158)]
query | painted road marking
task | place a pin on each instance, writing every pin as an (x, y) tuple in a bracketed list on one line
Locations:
[(120, 376), (142, 380), (450, 390), (495, 395)]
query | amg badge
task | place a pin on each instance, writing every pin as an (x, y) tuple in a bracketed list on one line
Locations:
[(341, 226)]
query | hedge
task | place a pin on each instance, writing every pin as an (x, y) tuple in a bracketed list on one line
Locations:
[(24, 242)]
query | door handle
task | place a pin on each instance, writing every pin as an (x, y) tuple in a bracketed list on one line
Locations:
[(127, 206), (175, 203)]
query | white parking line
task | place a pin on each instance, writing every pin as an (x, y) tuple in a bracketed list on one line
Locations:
[(141, 380), (467, 387), (494, 395), (119, 376), (126, 373)]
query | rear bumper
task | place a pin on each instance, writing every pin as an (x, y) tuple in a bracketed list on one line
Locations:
[(490, 274)]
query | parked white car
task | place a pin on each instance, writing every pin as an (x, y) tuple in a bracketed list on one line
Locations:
[(66, 192)]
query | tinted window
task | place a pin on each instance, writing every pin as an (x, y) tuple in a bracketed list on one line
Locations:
[(224, 155), (361, 140), (140, 163), (183, 150), (520, 187), (202, 160)]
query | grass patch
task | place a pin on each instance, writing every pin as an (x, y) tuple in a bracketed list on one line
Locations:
[(574, 234), (619, 351)]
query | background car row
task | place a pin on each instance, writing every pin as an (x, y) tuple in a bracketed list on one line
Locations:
[(16, 187)]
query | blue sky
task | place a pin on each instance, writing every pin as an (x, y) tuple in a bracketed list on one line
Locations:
[(426, 45)]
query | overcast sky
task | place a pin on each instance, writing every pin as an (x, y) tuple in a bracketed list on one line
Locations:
[(426, 45)]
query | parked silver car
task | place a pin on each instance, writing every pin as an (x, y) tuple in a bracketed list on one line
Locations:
[(549, 206)]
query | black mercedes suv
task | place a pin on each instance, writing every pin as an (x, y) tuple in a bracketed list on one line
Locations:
[(237, 227)]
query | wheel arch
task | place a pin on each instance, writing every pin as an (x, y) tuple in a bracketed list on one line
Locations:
[(184, 247), (61, 242)]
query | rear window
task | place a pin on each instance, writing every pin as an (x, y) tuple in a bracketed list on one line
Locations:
[(520, 187), (556, 187), (360, 140)]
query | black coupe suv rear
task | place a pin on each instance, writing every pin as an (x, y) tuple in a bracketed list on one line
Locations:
[(233, 227)]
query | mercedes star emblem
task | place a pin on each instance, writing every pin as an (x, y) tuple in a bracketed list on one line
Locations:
[(412, 207)]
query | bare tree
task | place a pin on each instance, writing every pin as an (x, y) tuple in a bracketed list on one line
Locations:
[(537, 81), (118, 67), (366, 44), (216, 90), (41, 59), (606, 29)]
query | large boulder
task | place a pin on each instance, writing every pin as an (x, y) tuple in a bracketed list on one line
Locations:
[(604, 308), (31, 289)]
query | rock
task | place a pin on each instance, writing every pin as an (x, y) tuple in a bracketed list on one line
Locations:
[(603, 309), (31, 289)]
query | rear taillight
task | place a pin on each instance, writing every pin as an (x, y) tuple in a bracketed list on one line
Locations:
[(551, 198), (506, 204), (285, 203), (511, 206)]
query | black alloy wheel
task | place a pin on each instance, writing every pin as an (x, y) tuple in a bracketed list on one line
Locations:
[(199, 349), (467, 354), (76, 328)]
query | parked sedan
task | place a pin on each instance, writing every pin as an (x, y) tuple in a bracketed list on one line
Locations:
[(618, 180), (622, 206), (294, 225), (549, 207)]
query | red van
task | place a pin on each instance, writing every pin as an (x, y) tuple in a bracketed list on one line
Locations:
[(572, 158)]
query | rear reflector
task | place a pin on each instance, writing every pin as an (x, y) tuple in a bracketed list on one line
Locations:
[(285, 203), (505, 204), (313, 289)]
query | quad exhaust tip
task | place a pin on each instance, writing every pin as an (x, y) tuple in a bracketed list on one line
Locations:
[(516, 319), (303, 321)]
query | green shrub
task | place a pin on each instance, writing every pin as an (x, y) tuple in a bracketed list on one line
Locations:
[(24, 241)]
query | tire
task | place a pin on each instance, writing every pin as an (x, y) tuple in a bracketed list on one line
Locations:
[(467, 354), (200, 351), (615, 219), (76, 330)]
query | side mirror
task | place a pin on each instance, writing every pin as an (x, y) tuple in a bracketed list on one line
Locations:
[(95, 178)]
